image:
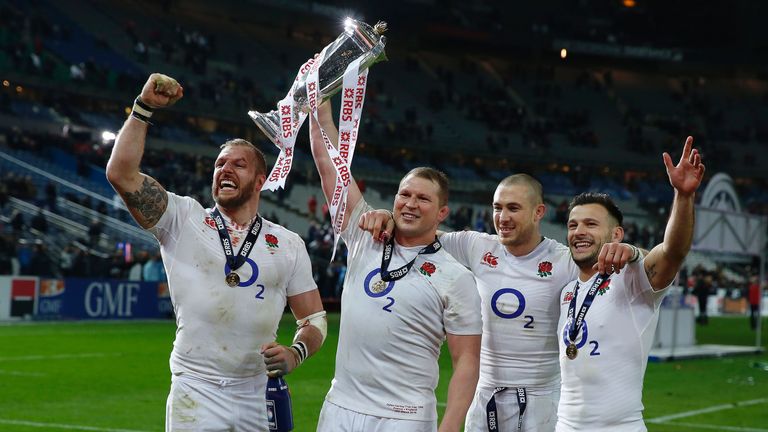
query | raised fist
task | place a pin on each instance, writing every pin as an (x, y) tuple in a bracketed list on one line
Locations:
[(161, 91)]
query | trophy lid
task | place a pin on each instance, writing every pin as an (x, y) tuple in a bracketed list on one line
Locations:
[(351, 25), (380, 27)]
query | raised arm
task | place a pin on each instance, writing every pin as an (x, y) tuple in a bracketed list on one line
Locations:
[(325, 166), (465, 356), (145, 198), (664, 260)]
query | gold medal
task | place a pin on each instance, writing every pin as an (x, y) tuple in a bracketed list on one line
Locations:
[(378, 287), (233, 279), (571, 351)]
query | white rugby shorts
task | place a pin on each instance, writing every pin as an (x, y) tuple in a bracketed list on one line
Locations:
[(540, 410), (197, 404), (334, 418)]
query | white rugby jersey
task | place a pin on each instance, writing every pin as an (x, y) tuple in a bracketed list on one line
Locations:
[(389, 342), (220, 328), (520, 307), (602, 387)]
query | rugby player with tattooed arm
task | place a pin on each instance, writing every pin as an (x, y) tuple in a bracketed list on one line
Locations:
[(230, 274)]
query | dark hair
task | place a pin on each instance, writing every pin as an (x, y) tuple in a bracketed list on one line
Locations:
[(261, 163), (598, 198), (436, 176), (524, 179)]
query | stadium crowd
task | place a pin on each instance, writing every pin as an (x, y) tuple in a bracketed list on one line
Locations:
[(478, 119), (32, 41)]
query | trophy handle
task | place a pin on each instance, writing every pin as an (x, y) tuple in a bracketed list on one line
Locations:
[(358, 40), (269, 123)]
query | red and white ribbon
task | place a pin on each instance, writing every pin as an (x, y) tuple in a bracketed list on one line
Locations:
[(353, 96), (290, 123), (350, 116)]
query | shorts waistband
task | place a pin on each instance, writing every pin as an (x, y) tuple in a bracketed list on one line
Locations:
[(220, 382), (530, 390)]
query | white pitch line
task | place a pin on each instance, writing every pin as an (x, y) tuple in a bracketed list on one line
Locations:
[(64, 426), (665, 419), (17, 373), (58, 356), (715, 427)]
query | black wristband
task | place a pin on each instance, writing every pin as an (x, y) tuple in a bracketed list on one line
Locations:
[(141, 111), (301, 350), (140, 117), (143, 105)]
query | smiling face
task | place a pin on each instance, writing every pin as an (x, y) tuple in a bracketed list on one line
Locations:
[(236, 176), (516, 216), (590, 226), (418, 210)]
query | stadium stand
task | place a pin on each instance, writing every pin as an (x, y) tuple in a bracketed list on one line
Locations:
[(480, 94)]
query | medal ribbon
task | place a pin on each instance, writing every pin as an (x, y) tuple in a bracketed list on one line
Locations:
[(492, 416), (522, 402), (577, 321), (386, 258), (235, 261)]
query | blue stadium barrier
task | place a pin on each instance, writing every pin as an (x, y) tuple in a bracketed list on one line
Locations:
[(101, 299)]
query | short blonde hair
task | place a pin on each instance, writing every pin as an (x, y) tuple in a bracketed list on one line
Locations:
[(537, 191)]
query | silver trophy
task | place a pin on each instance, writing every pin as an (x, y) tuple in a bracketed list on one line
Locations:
[(358, 40)]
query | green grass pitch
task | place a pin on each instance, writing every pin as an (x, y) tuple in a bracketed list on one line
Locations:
[(114, 377)]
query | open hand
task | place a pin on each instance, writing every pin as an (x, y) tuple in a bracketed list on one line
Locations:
[(687, 175)]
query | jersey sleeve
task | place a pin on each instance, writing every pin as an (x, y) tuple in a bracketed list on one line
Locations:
[(460, 244), (301, 279), (168, 228), (461, 314), (352, 234), (639, 287)]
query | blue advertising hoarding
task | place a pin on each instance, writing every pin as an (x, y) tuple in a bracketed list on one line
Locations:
[(74, 298)]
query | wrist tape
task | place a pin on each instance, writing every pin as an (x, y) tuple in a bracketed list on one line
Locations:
[(141, 111), (301, 349)]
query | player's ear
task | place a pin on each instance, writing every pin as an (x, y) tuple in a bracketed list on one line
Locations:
[(260, 180), (618, 234), (443, 213)]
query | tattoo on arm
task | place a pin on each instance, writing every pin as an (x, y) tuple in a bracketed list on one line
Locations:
[(150, 201), (650, 271)]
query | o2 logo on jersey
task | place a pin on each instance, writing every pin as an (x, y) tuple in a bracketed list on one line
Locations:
[(367, 284), (507, 292), (502, 308), (580, 342), (254, 275), (584, 333)]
